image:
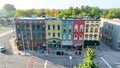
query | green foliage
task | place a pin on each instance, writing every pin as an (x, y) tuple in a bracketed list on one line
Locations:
[(27, 13), (90, 53), (111, 13), (9, 9), (88, 60), (83, 12)]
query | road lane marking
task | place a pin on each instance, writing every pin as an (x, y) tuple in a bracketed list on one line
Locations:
[(106, 62), (30, 63), (45, 64)]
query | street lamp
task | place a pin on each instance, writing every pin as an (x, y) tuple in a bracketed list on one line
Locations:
[(70, 57)]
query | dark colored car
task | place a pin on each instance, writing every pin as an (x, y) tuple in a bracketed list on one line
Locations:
[(2, 49)]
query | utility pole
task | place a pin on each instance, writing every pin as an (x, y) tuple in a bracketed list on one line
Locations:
[(23, 42)]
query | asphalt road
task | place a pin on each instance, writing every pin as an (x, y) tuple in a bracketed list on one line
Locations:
[(8, 60), (4, 41), (112, 57), (64, 60)]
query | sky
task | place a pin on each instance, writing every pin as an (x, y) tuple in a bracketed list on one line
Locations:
[(60, 4)]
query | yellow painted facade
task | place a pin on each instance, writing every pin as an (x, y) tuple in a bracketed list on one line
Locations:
[(50, 31), (92, 30)]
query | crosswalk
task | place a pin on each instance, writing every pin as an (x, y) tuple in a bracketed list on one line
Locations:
[(31, 62)]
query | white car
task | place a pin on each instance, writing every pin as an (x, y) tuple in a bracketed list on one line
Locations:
[(2, 49)]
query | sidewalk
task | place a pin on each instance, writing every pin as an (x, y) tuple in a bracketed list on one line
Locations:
[(14, 46)]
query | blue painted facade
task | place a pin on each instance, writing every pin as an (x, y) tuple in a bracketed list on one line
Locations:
[(67, 28)]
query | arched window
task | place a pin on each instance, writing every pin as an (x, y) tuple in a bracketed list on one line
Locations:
[(91, 27), (64, 37), (81, 28), (95, 37), (96, 27), (58, 34), (76, 28), (86, 37), (53, 34), (75, 37), (81, 37), (90, 38), (48, 34), (87, 27)]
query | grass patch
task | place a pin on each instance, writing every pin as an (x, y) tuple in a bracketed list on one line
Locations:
[(3, 27)]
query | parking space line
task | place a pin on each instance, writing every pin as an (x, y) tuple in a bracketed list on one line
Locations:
[(45, 64), (106, 62)]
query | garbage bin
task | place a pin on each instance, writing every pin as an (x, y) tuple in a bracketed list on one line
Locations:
[(76, 53), (79, 52)]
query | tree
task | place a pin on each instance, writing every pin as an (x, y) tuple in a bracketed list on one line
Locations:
[(53, 12), (88, 60), (9, 9), (47, 11), (95, 12), (37, 12)]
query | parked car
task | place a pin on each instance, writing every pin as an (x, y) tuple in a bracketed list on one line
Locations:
[(2, 49)]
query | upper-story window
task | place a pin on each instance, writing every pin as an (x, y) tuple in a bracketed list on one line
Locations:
[(76, 28), (27, 26), (64, 37), (18, 27), (87, 27), (69, 37), (48, 34), (53, 27), (34, 35), (95, 37), (96, 26), (43, 27), (58, 27), (81, 37), (58, 34), (91, 27), (43, 35), (64, 28), (53, 34), (69, 28), (33, 27), (90, 37), (38, 35), (38, 26), (86, 37), (48, 27), (81, 28), (23, 27), (75, 37)]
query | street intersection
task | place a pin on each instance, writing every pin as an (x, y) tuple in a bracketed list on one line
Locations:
[(106, 58)]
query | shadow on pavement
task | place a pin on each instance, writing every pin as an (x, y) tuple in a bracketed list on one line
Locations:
[(8, 52)]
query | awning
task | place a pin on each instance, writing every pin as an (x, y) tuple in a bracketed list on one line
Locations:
[(67, 43)]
